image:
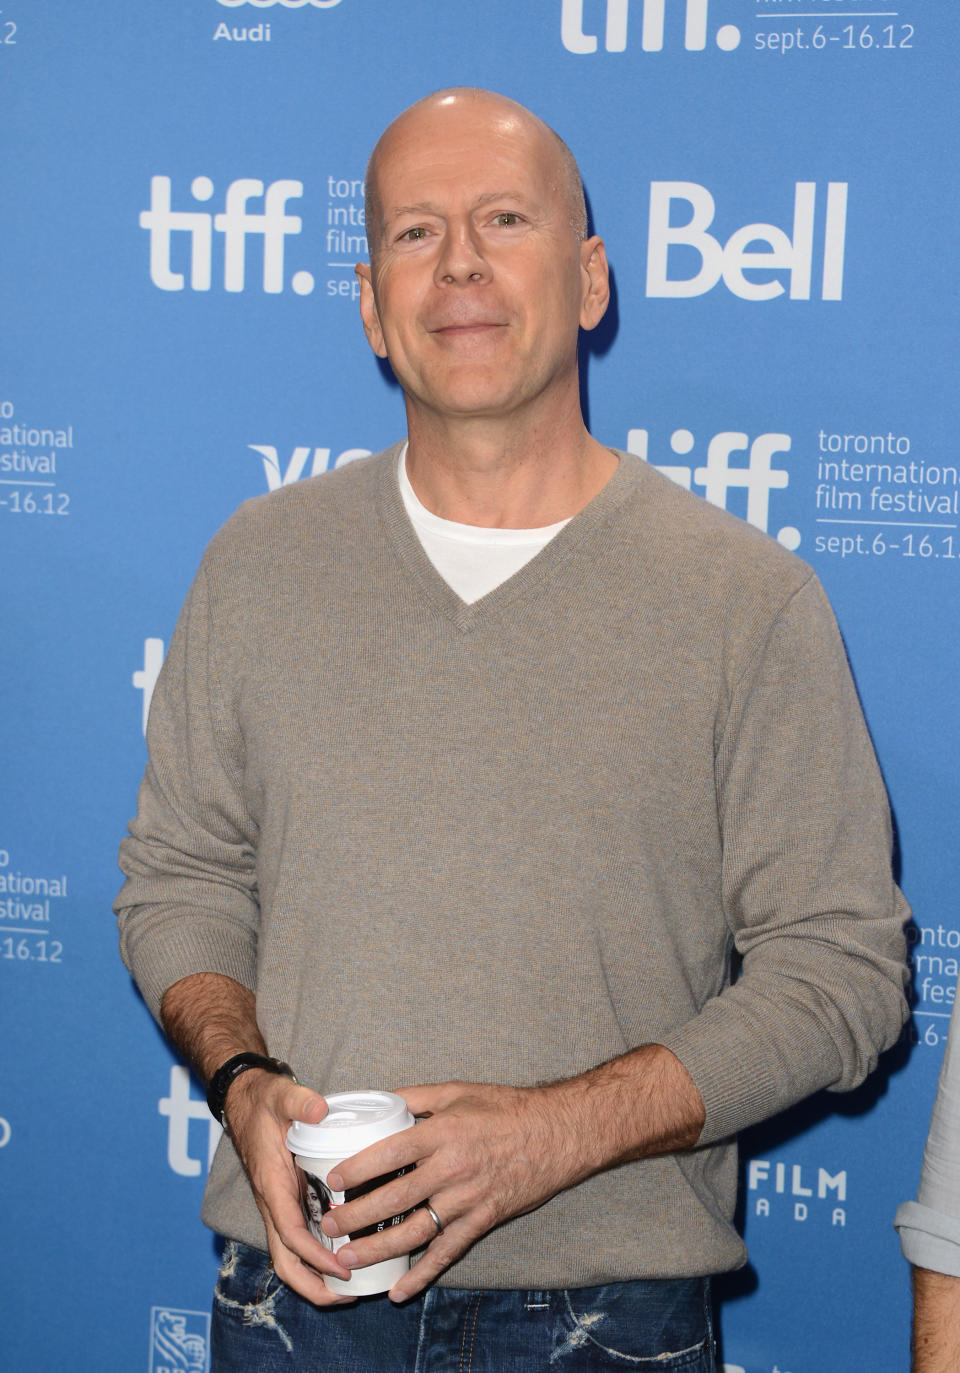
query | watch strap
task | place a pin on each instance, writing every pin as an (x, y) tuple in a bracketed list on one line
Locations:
[(220, 1082)]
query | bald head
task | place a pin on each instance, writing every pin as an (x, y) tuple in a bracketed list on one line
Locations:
[(505, 118)]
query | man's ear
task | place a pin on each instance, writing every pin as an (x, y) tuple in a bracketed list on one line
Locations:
[(368, 310), (596, 282)]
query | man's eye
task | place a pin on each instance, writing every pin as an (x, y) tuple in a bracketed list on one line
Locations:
[(412, 235), (506, 218)]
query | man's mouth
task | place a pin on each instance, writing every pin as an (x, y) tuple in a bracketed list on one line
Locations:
[(474, 326)]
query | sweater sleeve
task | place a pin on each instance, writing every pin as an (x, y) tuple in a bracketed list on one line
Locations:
[(930, 1226), (189, 903), (807, 889)]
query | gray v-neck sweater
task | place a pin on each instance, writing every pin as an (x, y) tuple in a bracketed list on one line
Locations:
[(507, 841)]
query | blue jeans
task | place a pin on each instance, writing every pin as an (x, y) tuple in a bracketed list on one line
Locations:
[(259, 1324)]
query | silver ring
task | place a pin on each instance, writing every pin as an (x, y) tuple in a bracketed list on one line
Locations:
[(434, 1217)]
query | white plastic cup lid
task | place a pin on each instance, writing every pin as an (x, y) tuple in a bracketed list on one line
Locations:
[(353, 1120)]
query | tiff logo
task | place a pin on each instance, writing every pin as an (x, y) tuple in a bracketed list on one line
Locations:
[(742, 251), (181, 1108), (236, 222), (295, 469), (718, 475), (616, 13), (145, 678)]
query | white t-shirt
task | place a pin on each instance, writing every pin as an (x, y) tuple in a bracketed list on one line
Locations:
[(930, 1226), (471, 558)]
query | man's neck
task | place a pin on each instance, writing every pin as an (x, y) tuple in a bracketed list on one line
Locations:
[(501, 475)]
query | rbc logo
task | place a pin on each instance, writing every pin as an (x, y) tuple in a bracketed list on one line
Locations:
[(236, 222), (793, 254), (653, 13), (758, 477), (179, 1341)]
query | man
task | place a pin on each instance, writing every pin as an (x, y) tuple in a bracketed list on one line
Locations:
[(531, 740), (930, 1226)]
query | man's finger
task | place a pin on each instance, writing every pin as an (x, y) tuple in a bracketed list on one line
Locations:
[(294, 1102), (424, 1100), (394, 1198), (299, 1275), (402, 1150), (284, 1219), (313, 1256), (417, 1231), (435, 1259)]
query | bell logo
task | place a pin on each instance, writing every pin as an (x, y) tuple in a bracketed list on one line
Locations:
[(576, 39), (731, 259), (758, 477)]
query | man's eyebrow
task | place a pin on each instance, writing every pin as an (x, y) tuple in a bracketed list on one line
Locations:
[(427, 207), (517, 196), (424, 208)]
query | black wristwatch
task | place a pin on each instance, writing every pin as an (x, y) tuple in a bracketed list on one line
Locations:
[(225, 1074)]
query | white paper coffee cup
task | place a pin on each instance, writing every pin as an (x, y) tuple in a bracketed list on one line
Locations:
[(353, 1120)]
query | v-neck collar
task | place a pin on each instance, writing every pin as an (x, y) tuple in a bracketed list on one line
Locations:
[(526, 580)]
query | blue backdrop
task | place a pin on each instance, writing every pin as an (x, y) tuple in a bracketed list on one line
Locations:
[(183, 210)]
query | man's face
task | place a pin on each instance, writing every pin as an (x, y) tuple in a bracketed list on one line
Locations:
[(479, 282)]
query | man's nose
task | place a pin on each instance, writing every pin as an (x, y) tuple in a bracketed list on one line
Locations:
[(461, 260)]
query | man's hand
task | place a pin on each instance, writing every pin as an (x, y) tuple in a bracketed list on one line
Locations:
[(260, 1109), (487, 1153), (484, 1154), (210, 1018)]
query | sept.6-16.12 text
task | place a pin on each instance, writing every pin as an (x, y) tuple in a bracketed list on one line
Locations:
[(826, 38)]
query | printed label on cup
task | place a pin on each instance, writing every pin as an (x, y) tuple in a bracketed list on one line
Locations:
[(318, 1199)]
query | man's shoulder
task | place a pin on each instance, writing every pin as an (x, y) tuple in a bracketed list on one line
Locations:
[(345, 495), (344, 492), (692, 540)]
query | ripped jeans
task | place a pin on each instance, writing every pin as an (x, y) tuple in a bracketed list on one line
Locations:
[(260, 1325)]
